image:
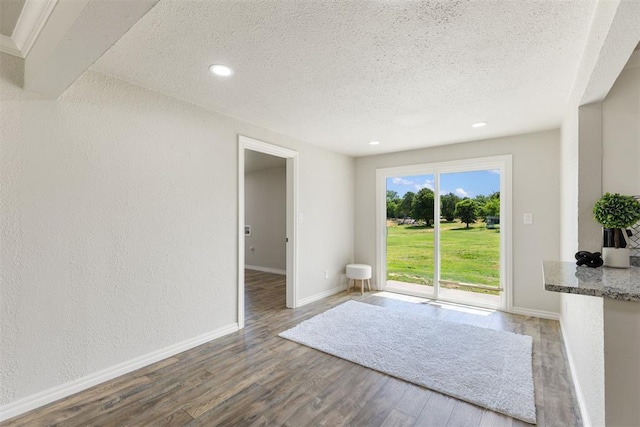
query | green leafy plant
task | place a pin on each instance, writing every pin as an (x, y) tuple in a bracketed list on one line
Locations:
[(616, 212), (467, 211)]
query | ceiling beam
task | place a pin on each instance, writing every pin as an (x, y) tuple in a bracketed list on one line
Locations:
[(613, 36), (76, 34)]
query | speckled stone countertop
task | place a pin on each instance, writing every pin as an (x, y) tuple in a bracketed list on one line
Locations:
[(614, 283)]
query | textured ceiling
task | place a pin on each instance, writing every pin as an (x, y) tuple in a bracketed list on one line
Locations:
[(341, 73)]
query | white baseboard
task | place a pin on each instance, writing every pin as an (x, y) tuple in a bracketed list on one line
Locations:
[(266, 269), (316, 297), (47, 396), (535, 313), (586, 421)]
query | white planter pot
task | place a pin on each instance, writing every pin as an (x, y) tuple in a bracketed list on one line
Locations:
[(618, 258)]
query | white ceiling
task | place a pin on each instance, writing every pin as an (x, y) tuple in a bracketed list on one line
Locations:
[(339, 74)]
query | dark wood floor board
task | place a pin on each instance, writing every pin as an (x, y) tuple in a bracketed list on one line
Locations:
[(494, 419), (303, 376), (254, 377), (398, 419), (413, 400), (121, 404), (335, 396), (437, 411), (558, 410), (163, 404), (228, 386), (465, 415), (281, 410), (121, 413), (339, 408), (88, 400), (177, 418), (239, 409), (377, 410)]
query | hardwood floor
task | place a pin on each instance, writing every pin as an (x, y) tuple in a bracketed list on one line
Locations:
[(255, 378)]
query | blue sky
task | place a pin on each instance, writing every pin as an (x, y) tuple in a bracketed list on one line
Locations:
[(463, 184)]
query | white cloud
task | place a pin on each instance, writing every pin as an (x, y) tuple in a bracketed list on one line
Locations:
[(427, 184), (460, 192), (496, 171), (402, 181)]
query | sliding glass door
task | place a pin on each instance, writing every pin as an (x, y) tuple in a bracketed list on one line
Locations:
[(470, 236), (444, 231), (410, 236)]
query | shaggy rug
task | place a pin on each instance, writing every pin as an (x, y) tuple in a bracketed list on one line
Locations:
[(482, 366)]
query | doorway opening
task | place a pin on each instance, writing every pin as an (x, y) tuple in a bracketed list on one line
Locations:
[(267, 202), (444, 231)]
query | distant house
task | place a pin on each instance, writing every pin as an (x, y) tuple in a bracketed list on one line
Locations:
[(492, 221)]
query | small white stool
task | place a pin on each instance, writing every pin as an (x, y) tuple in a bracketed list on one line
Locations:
[(359, 272)]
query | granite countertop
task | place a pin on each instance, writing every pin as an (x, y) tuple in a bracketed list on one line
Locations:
[(615, 283)]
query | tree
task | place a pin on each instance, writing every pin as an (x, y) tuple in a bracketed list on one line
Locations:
[(423, 204), (405, 206), (492, 207), (466, 211), (392, 209), (448, 206), (392, 204)]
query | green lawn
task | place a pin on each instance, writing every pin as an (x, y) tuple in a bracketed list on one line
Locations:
[(467, 255)]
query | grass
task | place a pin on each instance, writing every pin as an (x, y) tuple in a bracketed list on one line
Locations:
[(467, 255)]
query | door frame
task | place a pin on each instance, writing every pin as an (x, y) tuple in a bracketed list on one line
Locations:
[(503, 162), (291, 156)]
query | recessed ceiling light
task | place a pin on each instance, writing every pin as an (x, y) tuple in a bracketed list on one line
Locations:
[(374, 143), (220, 70), (478, 125)]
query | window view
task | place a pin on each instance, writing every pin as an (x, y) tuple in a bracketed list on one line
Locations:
[(410, 236), (468, 235)]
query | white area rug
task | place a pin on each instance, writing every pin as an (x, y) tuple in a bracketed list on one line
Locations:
[(489, 368)]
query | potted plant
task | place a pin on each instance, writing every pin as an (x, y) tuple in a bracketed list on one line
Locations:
[(616, 213)]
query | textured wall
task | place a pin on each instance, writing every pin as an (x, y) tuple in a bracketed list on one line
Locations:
[(582, 316), (621, 174), (621, 132), (265, 210), (600, 147), (119, 226), (535, 189)]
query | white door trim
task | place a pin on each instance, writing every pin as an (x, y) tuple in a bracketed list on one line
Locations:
[(247, 143), (504, 163)]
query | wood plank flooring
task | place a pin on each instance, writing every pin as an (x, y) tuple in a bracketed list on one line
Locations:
[(255, 378)]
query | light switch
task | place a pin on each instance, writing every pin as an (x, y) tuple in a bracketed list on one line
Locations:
[(527, 218)]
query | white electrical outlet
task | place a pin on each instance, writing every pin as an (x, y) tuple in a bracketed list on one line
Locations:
[(326, 274), (527, 218)]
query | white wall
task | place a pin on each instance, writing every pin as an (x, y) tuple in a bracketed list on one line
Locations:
[(621, 174), (622, 362), (119, 226), (601, 152), (621, 132), (265, 211), (535, 189), (582, 322), (582, 316)]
